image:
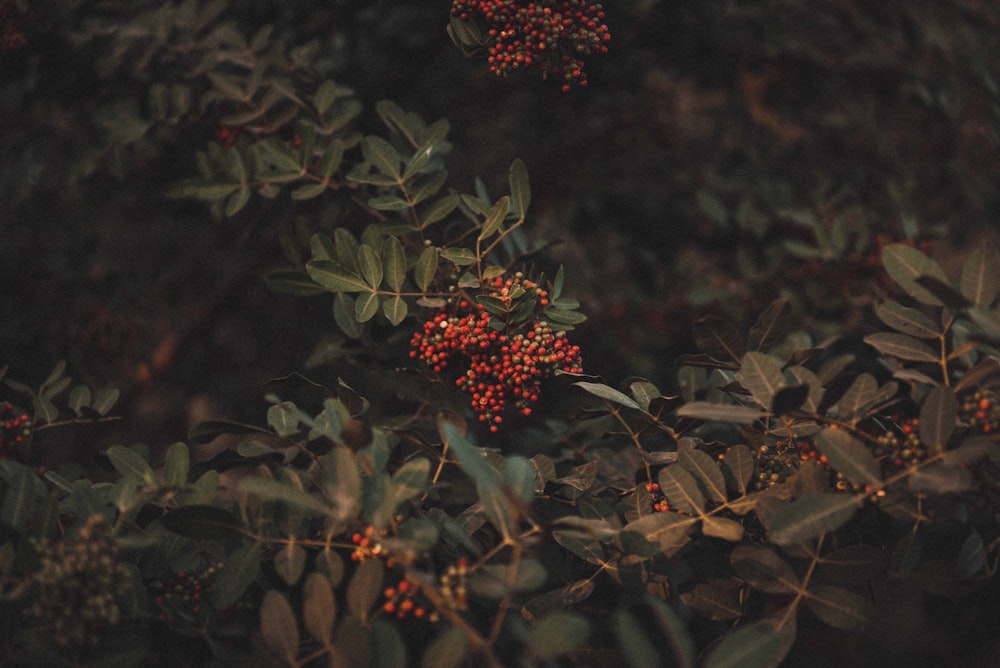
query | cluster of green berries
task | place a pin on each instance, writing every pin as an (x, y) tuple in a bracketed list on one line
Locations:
[(551, 36), (182, 597), (505, 363), (15, 426), (404, 599), (81, 586)]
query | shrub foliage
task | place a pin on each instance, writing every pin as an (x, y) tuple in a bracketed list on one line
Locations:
[(498, 504)]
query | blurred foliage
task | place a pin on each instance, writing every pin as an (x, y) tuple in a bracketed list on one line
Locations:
[(780, 213)]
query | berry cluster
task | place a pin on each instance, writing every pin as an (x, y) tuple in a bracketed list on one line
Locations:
[(367, 544), (551, 35), (81, 586), (181, 597), (660, 504), (505, 361), (15, 426), (11, 27), (775, 463), (403, 599), (981, 411), (900, 448)]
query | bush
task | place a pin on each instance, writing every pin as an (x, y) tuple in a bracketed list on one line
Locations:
[(485, 499)]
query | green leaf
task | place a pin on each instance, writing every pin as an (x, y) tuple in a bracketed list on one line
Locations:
[(739, 460), (943, 290), (907, 320), (388, 203), (309, 191), (387, 647), (448, 649), (331, 159), (105, 400), (344, 313), (854, 564), (269, 489), (858, 397), (763, 644), (971, 559), (558, 633), (938, 417), (560, 316), (283, 418), (176, 464), (901, 346), (643, 392), (291, 283), (980, 279), (278, 627), (130, 463), (459, 256), (705, 470), (238, 572), (439, 210), (319, 608), (838, 607), (279, 154), (370, 266), (905, 264), (718, 599), (681, 490), (21, 497), (394, 263), (342, 484), (987, 320), (675, 631), (809, 517), (940, 479), (366, 307), (669, 531), (365, 588), (520, 189), (381, 155), (79, 398), (395, 310), (771, 327), (418, 162), (608, 394), (763, 569), (760, 374), (395, 119), (722, 527), (324, 96), (719, 339), (848, 455), (495, 218), (202, 522), (731, 413), (411, 479), (427, 186), (426, 268), (334, 277), (289, 563)]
